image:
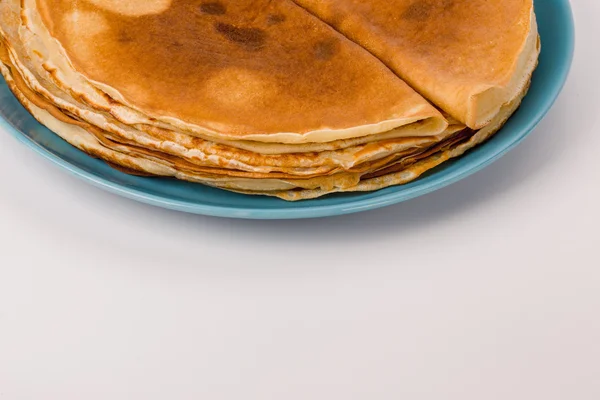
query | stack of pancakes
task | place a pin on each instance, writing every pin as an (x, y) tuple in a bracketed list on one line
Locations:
[(288, 98)]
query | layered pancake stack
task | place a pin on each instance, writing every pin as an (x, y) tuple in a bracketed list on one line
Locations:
[(294, 99)]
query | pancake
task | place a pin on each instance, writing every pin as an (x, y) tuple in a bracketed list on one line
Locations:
[(235, 74), (469, 57), (148, 88), (60, 73), (210, 154), (396, 172)]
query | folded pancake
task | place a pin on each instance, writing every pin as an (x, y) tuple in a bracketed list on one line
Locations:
[(469, 57), (198, 150), (148, 87), (263, 71), (391, 172)]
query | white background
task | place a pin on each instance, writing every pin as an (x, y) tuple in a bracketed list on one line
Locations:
[(488, 289)]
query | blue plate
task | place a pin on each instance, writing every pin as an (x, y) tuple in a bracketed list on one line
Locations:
[(557, 33)]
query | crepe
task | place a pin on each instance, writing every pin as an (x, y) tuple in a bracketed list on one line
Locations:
[(148, 87), (470, 57), (256, 70)]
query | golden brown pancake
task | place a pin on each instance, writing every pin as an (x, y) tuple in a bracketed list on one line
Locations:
[(470, 57), (202, 153), (244, 69), (184, 89)]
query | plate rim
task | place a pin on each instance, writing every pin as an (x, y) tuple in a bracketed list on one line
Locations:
[(318, 211)]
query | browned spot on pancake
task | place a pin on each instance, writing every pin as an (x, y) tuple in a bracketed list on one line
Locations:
[(229, 73), (326, 49), (249, 38), (275, 19), (124, 37), (421, 10), (417, 11), (213, 8), (447, 4)]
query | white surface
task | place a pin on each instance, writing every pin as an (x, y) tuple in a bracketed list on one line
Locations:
[(489, 289)]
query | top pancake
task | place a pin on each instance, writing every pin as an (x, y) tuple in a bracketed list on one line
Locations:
[(467, 56), (254, 70)]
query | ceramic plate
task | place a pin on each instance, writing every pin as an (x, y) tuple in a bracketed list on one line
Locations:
[(557, 33)]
